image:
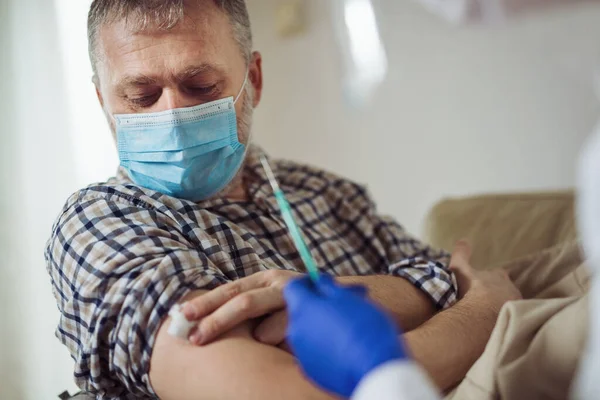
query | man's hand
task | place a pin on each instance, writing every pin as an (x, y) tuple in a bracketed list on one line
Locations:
[(449, 343), (272, 330), (494, 287), (229, 305)]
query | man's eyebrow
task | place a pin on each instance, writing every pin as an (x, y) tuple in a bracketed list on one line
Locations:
[(195, 70), (187, 74), (135, 80)]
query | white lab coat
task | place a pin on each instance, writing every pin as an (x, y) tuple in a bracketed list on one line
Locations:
[(587, 384), (396, 380)]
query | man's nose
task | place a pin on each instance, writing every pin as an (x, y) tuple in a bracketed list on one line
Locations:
[(172, 99)]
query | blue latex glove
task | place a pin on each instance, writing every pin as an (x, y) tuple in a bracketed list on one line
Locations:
[(337, 334)]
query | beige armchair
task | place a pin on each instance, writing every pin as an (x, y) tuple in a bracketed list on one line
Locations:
[(503, 227)]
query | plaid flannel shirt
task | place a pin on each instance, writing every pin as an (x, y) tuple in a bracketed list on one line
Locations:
[(120, 256)]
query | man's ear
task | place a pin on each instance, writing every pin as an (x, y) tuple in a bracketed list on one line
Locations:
[(109, 118), (256, 76), (98, 92)]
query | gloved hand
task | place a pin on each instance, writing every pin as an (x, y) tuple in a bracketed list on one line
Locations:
[(337, 334)]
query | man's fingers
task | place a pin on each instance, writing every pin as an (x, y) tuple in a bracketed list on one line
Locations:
[(273, 329), (462, 251), (248, 305), (511, 273), (461, 257), (209, 302), (460, 265)]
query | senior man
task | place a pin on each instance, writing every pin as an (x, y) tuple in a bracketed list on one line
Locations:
[(190, 210)]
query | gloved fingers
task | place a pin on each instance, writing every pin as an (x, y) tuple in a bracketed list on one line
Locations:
[(299, 290), (302, 289), (327, 286), (330, 288), (358, 290), (326, 281)]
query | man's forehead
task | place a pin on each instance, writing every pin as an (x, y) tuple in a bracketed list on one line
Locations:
[(202, 41), (198, 15)]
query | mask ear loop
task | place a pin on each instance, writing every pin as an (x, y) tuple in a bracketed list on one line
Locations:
[(243, 87)]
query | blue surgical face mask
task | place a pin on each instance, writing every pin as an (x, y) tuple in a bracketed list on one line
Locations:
[(189, 153)]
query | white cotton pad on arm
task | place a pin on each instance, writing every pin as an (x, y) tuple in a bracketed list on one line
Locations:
[(179, 327)]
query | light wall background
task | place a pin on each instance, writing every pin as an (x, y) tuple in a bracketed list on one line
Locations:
[(464, 110)]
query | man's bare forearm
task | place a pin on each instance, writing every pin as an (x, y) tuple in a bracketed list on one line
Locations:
[(449, 343), (408, 304)]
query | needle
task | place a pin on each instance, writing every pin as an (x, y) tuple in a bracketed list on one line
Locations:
[(286, 212)]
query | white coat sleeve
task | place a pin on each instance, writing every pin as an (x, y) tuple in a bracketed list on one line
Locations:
[(587, 385), (396, 380)]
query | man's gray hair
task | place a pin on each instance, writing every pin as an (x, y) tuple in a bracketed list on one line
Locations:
[(164, 15)]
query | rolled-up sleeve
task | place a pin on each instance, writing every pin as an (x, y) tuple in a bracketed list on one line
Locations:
[(395, 251), (117, 266), (422, 265)]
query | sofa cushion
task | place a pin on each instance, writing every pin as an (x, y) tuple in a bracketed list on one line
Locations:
[(503, 227)]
